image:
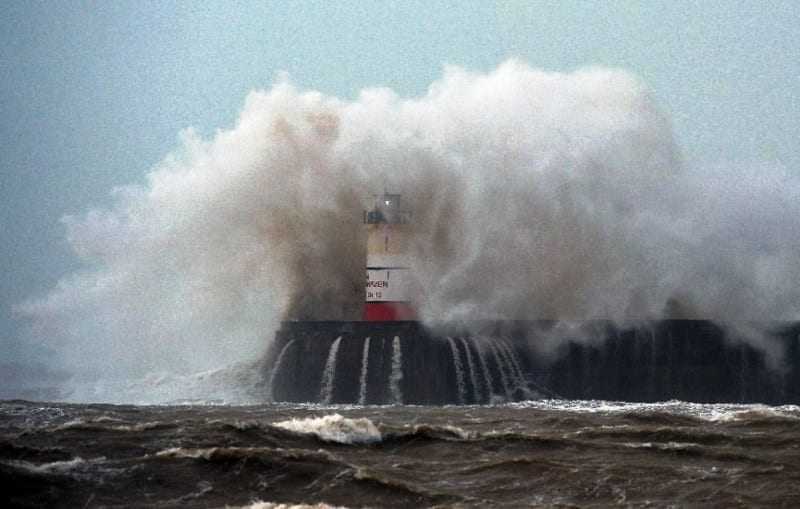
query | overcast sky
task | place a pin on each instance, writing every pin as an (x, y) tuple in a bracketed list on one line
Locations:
[(94, 94)]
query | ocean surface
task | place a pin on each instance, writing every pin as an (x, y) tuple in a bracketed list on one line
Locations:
[(536, 453)]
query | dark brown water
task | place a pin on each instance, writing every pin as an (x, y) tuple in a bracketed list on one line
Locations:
[(537, 453)]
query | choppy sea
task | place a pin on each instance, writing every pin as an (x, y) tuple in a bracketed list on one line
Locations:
[(536, 453)]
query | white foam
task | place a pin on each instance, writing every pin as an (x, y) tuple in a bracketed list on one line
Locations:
[(272, 505), (53, 467), (185, 452), (663, 446), (143, 426), (238, 424), (713, 412), (104, 421), (749, 412), (106, 418), (74, 423), (455, 430), (210, 453), (73, 467), (335, 428)]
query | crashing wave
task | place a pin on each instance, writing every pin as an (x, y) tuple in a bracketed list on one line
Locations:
[(335, 428)]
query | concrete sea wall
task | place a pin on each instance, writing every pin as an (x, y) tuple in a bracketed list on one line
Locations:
[(403, 362)]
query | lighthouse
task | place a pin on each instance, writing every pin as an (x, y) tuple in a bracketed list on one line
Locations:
[(389, 284)]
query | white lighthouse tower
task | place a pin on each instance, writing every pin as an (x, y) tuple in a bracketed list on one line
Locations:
[(389, 286)]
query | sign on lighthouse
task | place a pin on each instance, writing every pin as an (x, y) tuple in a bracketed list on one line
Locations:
[(388, 285)]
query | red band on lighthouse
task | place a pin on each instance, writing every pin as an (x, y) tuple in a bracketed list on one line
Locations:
[(388, 311)]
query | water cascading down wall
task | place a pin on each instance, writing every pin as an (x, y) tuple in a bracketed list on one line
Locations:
[(402, 362)]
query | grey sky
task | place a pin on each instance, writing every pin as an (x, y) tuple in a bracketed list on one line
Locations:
[(94, 94)]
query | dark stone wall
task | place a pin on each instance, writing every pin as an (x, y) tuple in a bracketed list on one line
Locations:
[(690, 360)]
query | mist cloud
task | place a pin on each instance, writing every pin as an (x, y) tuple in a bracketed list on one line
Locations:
[(535, 195)]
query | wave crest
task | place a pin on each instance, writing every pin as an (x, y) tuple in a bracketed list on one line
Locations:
[(335, 428)]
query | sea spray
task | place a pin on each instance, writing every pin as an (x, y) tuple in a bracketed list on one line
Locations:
[(396, 376), (362, 381), (459, 370), (487, 378), (476, 392), (329, 374), (276, 369), (535, 195), (499, 361), (516, 368)]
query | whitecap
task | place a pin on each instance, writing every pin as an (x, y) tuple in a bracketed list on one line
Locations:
[(53, 467), (334, 428), (713, 412), (272, 505)]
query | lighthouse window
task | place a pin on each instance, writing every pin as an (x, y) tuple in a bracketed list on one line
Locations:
[(375, 216), (387, 210)]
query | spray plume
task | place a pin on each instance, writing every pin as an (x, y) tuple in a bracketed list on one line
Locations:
[(535, 195)]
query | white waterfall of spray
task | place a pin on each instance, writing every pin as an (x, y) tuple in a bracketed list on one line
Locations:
[(520, 382), (396, 376), (599, 219), (476, 392), (329, 374), (462, 391), (362, 381), (501, 364), (276, 369), (504, 361), (487, 377)]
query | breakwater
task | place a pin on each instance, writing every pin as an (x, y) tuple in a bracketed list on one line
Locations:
[(403, 362)]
